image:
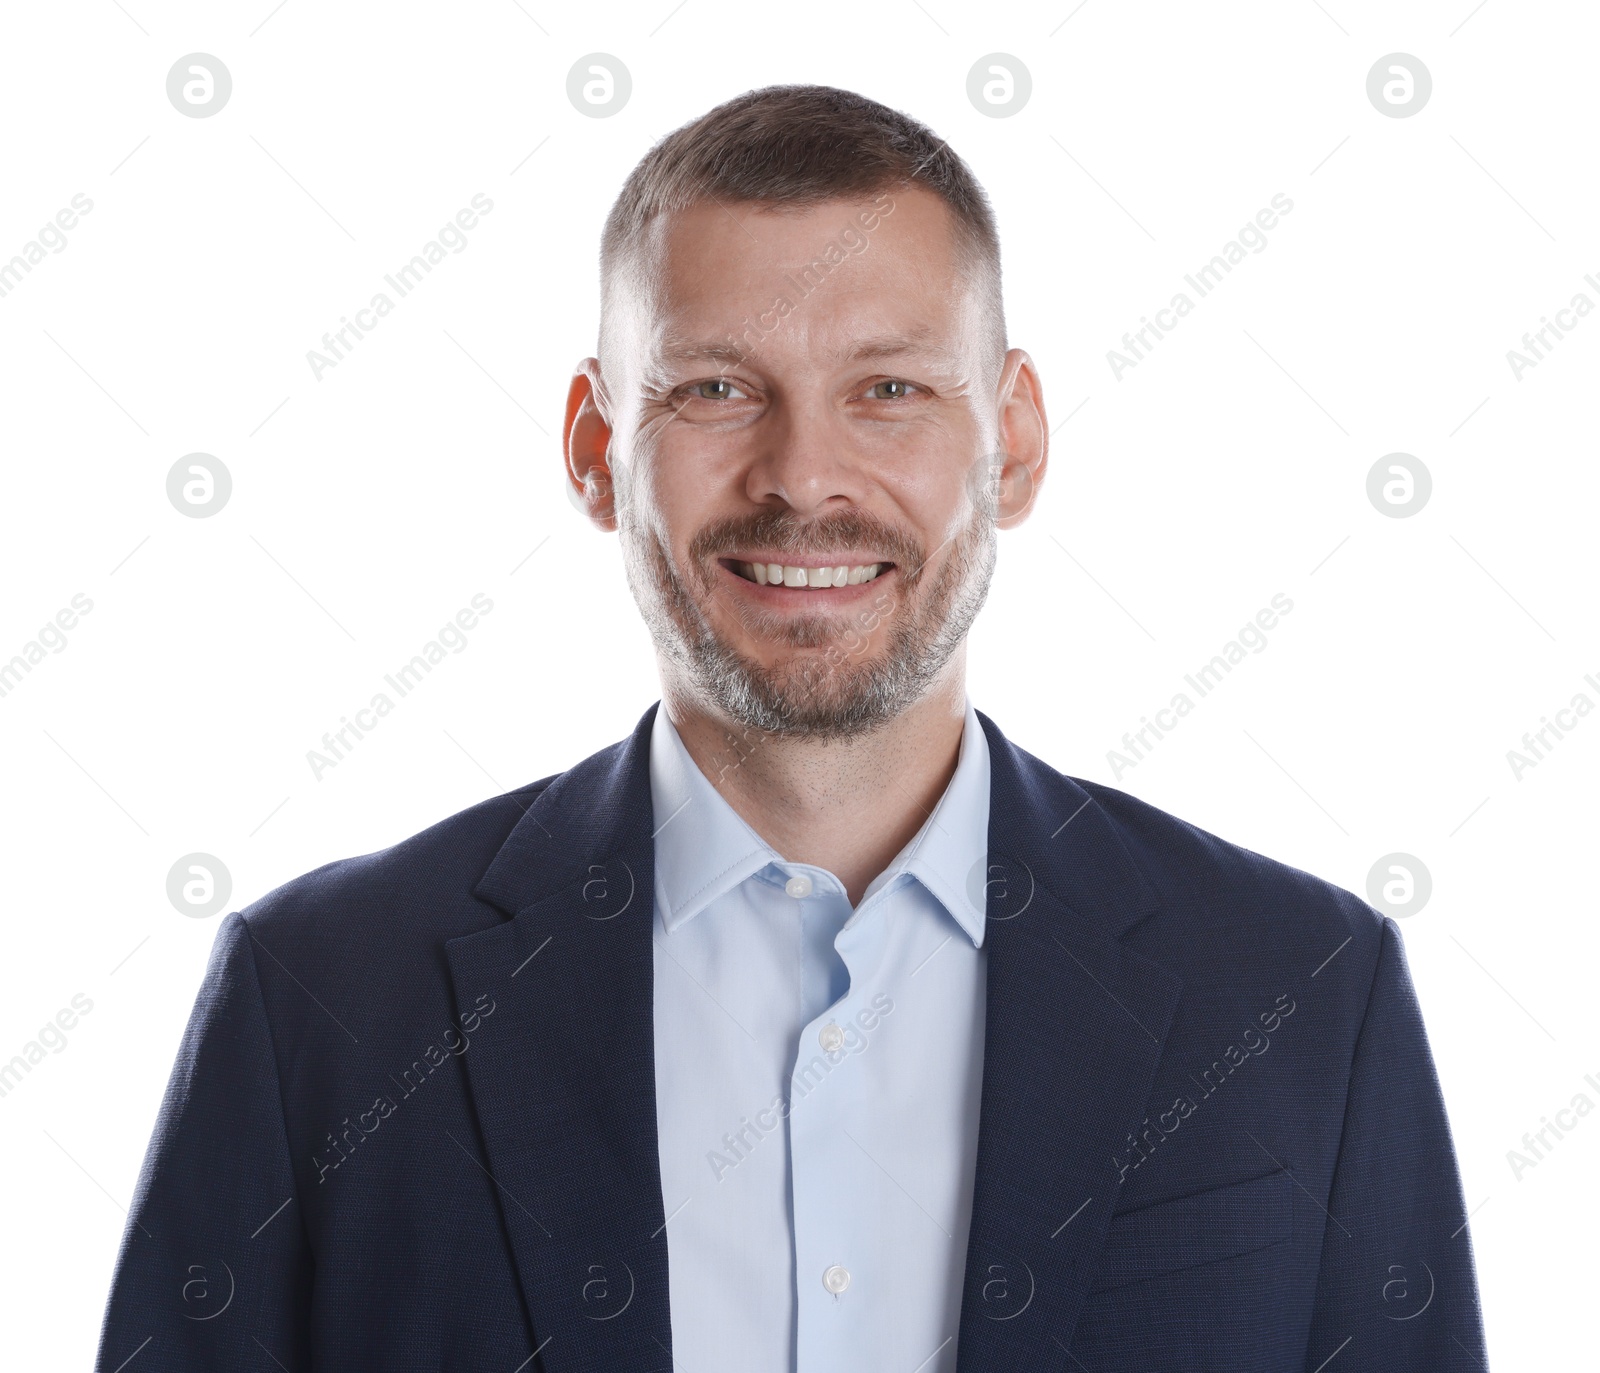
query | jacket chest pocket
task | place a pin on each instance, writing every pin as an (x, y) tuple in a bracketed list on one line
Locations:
[(1220, 1223)]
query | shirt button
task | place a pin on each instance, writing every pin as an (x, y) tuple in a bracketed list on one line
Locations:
[(836, 1279), (831, 1037), (798, 886)]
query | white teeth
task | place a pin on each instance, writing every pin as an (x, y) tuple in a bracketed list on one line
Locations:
[(781, 574)]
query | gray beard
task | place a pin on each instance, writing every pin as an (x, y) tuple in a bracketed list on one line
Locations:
[(844, 690)]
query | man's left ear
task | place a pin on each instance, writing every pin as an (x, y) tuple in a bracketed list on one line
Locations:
[(1018, 470)]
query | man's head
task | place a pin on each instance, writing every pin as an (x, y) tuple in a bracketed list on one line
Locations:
[(802, 366)]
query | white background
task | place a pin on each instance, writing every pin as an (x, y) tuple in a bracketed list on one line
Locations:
[(370, 505)]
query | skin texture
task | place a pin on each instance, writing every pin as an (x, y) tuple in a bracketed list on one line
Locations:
[(867, 422)]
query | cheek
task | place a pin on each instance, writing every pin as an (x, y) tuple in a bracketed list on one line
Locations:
[(683, 488), (646, 499), (663, 518), (929, 463), (936, 499)]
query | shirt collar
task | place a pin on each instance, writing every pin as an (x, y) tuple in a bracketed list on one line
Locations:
[(704, 848)]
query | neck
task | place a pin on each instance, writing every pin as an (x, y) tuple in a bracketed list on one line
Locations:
[(847, 805)]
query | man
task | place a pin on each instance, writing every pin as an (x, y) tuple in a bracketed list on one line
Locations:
[(814, 1026)]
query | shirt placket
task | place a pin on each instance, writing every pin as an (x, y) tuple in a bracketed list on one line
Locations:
[(838, 1257)]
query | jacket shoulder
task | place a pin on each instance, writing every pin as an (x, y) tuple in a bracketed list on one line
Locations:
[(1219, 896), (422, 884), (1181, 857)]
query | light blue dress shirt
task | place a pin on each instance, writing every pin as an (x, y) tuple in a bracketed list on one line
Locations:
[(818, 1073)]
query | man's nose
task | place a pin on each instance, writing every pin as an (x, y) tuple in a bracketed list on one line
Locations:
[(807, 458)]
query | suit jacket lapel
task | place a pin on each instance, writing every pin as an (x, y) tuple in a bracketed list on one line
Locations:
[(563, 1076), (1074, 1028)]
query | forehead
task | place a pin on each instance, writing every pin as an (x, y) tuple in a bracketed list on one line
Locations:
[(841, 275)]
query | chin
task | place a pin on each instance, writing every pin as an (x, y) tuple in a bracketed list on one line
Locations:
[(805, 695)]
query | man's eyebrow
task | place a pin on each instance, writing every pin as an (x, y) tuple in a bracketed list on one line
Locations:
[(915, 343), (684, 350)]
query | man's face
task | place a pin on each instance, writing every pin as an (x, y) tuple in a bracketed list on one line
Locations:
[(805, 439)]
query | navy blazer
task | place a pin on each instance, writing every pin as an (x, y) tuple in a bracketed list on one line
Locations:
[(413, 1121)]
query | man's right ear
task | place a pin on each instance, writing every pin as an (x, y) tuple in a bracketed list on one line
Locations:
[(586, 442)]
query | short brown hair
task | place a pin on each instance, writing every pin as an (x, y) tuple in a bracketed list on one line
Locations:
[(802, 145)]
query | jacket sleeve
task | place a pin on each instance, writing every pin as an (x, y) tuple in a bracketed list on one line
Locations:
[(1396, 1288), (214, 1266)]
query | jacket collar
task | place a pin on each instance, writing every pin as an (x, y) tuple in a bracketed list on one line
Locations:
[(596, 808), (564, 1089)]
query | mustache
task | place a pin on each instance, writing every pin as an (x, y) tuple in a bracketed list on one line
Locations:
[(784, 531)]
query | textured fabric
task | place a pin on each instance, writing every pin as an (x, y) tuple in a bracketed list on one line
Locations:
[(413, 1124), (817, 1081)]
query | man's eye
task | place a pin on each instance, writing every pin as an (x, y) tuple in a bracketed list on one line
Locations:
[(719, 388), (889, 390)]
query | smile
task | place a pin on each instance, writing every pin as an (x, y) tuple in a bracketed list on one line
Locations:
[(787, 574)]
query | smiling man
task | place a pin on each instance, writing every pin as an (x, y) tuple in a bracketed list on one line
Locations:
[(815, 1026)]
